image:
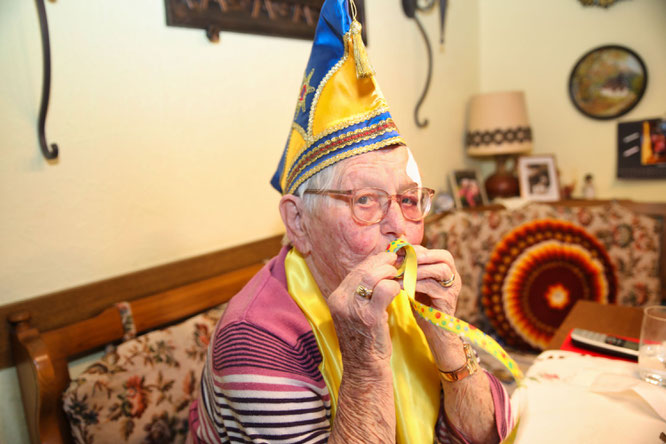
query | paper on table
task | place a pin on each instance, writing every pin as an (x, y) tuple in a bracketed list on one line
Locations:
[(562, 401), (610, 383)]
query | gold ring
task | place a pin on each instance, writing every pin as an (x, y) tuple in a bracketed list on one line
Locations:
[(364, 292), (449, 282)]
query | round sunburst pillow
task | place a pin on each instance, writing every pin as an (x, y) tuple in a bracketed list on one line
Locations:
[(535, 275)]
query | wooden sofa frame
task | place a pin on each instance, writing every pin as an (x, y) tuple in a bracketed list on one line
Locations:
[(41, 355)]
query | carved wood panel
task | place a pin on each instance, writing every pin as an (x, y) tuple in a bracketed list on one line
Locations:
[(283, 18)]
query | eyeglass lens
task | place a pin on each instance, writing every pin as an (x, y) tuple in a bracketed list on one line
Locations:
[(371, 205)]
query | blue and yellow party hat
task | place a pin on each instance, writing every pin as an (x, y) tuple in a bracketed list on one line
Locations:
[(340, 111)]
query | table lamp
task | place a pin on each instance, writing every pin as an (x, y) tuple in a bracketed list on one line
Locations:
[(497, 126)]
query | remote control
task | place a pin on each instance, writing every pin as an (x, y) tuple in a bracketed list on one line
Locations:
[(610, 345)]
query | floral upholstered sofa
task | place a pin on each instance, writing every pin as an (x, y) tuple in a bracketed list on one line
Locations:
[(523, 269), (140, 390)]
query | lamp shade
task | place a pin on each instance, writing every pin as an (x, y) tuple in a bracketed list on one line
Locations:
[(497, 124)]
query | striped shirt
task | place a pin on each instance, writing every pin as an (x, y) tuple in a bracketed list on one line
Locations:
[(261, 382)]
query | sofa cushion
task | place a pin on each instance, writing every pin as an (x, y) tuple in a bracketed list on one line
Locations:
[(140, 391), (630, 240), (536, 273)]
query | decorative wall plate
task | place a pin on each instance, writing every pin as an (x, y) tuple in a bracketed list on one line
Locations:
[(607, 82)]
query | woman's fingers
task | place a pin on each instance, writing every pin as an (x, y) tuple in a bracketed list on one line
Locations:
[(426, 256), (384, 292), (368, 282), (437, 283), (431, 293), (361, 322), (435, 264), (370, 277), (438, 272)]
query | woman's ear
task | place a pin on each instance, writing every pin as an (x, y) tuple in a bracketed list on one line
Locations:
[(293, 217)]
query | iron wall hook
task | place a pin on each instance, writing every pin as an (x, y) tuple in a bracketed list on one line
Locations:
[(423, 123), (52, 151), (410, 7)]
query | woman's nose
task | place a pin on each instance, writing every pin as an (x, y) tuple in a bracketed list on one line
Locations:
[(394, 221)]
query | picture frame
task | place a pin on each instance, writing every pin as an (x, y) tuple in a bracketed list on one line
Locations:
[(538, 178), (279, 18), (641, 149), (467, 189), (607, 82)]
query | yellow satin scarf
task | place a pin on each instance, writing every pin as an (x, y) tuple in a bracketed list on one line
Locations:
[(416, 383)]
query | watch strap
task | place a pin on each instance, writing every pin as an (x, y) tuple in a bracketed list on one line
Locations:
[(469, 368)]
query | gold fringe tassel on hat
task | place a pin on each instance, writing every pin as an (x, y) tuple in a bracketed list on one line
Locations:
[(363, 67)]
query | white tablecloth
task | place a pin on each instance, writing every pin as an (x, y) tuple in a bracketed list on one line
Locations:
[(571, 398)]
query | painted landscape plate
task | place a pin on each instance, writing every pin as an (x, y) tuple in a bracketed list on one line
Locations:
[(607, 82)]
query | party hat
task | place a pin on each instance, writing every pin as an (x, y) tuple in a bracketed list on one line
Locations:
[(340, 112)]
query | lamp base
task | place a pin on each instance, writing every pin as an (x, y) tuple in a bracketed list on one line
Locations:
[(502, 184)]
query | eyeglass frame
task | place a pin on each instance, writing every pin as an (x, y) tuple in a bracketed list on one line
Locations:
[(348, 194)]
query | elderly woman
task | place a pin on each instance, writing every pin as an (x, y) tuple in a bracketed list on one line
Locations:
[(321, 345)]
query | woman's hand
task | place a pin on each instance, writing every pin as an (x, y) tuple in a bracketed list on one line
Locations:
[(366, 389), (468, 403), (435, 267), (360, 323)]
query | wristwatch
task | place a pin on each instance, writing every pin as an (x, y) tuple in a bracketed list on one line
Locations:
[(469, 368)]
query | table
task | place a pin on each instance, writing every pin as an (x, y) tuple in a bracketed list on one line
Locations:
[(554, 386), (569, 397), (608, 319)]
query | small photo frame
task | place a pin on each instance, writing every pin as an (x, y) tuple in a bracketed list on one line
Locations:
[(467, 189), (538, 178)]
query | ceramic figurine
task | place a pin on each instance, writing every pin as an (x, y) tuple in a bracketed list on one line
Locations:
[(588, 187)]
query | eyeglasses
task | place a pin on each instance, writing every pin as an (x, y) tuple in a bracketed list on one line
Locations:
[(370, 205)]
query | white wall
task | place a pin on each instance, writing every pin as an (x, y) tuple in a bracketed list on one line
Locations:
[(168, 142), (533, 46)]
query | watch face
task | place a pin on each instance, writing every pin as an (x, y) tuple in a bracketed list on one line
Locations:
[(472, 363)]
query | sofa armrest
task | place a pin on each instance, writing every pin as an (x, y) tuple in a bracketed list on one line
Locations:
[(37, 378)]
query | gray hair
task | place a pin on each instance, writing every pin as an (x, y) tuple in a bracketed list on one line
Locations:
[(323, 180), (313, 202)]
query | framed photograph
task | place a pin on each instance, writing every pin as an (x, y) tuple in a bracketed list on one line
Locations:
[(641, 149), (538, 178), (467, 189), (607, 82)]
